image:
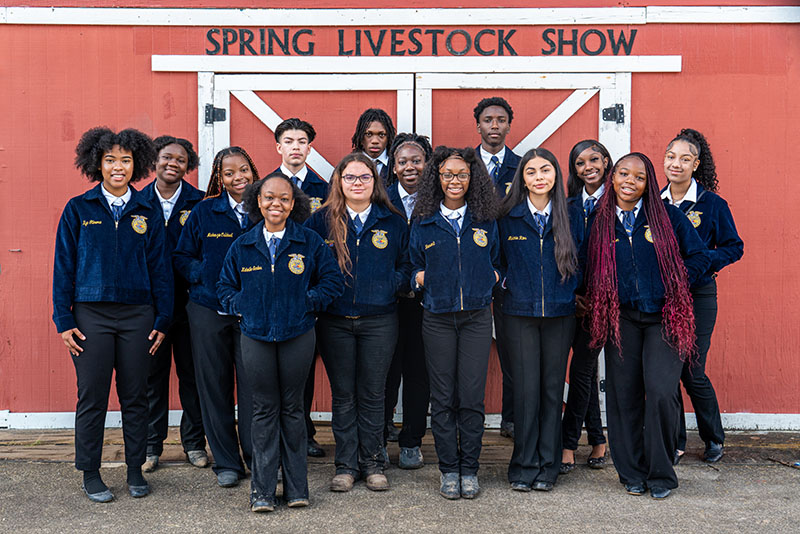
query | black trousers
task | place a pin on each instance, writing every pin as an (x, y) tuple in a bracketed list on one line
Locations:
[(539, 349), (357, 352), (116, 340), (178, 345), (506, 367), (697, 384), (409, 363), (457, 347), (642, 407), (583, 403), (308, 396), (277, 374), (216, 347)]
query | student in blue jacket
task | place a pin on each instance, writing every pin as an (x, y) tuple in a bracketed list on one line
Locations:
[(176, 197), (210, 230), (589, 167), (407, 157), (275, 277), (358, 331), (540, 267), (112, 297), (455, 252), (643, 256), (689, 167)]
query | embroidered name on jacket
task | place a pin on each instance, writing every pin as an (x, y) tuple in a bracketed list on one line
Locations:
[(429, 245), (90, 221), (517, 238), (219, 234), (251, 269)]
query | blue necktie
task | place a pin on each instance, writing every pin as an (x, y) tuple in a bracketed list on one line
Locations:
[(541, 221), (455, 225), (273, 246), (296, 181), (358, 224), (243, 221), (409, 202), (588, 206), (627, 221), (496, 168), (116, 210)]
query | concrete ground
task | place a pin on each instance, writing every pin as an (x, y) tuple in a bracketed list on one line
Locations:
[(753, 489)]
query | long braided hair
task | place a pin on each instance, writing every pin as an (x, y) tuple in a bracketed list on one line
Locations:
[(706, 172), (215, 186), (603, 293)]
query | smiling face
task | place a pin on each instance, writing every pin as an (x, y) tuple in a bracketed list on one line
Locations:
[(680, 161), (493, 125), (294, 148), (630, 182), (236, 175), (590, 166), (375, 139), (275, 201), (117, 169), (539, 175), (360, 191), (453, 187), (409, 162), (172, 164)]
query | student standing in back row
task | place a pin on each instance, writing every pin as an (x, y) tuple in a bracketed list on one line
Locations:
[(112, 298), (689, 167), (493, 117), (210, 230), (374, 134), (176, 197), (294, 137)]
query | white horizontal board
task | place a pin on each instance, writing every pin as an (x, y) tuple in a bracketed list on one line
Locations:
[(314, 82), (723, 14), (536, 80)]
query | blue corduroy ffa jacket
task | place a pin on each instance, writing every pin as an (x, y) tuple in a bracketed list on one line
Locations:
[(533, 284), (277, 302), (315, 187), (209, 232), (638, 274), (713, 220), (459, 270), (381, 268), (98, 260), (506, 173)]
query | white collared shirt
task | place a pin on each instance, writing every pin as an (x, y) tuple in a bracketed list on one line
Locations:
[(363, 215), (168, 204), (690, 196), (238, 209), (403, 194), (635, 211), (596, 196), (449, 214), (301, 174), (487, 157), (116, 201), (546, 211), (269, 235)]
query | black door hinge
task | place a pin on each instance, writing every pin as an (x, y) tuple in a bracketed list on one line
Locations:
[(616, 113), (215, 114)]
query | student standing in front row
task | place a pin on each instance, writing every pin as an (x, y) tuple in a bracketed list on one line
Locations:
[(374, 134), (689, 167), (294, 137), (493, 117), (540, 268), (358, 331), (112, 298), (455, 253), (643, 256), (212, 227), (176, 197), (274, 278), (589, 167)]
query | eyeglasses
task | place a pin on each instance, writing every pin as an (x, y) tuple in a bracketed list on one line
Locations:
[(351, 178), (449, 176)]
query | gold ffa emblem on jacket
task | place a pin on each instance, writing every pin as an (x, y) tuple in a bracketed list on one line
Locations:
[(139, 224), (184, 216), (316, 202), (379, 239), (648, 234), (694, 217), (480, 237), (296, 265)]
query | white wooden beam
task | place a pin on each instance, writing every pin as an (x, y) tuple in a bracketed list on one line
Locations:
[(314, 82), (424, 112), (553, 122), (205, 132), (616, 137), (405, 110), (536, 80), (723, 14)]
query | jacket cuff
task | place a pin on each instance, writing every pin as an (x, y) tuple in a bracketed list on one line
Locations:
[(65, 322), (162, 323)]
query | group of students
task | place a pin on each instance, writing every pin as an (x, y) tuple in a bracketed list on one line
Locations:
[(397, 269)]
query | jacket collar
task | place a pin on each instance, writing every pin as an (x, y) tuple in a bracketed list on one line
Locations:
[(255, 237), (521, 211), (221, 205), (137, 198), (440, 221)]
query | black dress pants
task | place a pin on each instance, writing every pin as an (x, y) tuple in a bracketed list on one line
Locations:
[(643, 408), (277, 374), (457, 347), (583, 403), (539, 349), (216, 347), (116, 340), (506, 367), (357, 352), (308, 396), (178, 345), (697, 384), (409, 363)]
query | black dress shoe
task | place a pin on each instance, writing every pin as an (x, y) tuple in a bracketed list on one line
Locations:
[(138, 492), (713, 452), (314, 449), (541, 485), (635, 489), (566, 468), (659, 493), (596, 463), (676, 457)]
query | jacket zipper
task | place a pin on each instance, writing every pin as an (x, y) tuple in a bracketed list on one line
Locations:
[(460, 287), (635, 270), (355, 270), (541, 267)]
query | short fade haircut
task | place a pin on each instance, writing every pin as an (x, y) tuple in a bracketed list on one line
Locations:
[(493, 101), (295, 124)]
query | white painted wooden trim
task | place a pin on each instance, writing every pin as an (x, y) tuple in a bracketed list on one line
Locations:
[(205, 132), (313, 82), (524, 80), (555, 119), (397, 17), (222, 129), (395, 64), (424, 111), (405, 109), (616, 137)]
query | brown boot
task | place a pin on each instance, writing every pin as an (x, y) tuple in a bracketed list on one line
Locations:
[(377, 482), (342, 482)]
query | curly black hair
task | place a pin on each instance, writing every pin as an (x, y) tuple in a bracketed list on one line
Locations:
[(575, 184), (421, 141), (164, 140), (481, 196), (295, 124), (493, 101), (368, 117), (96, 142), (302, 204), (706, 172)]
